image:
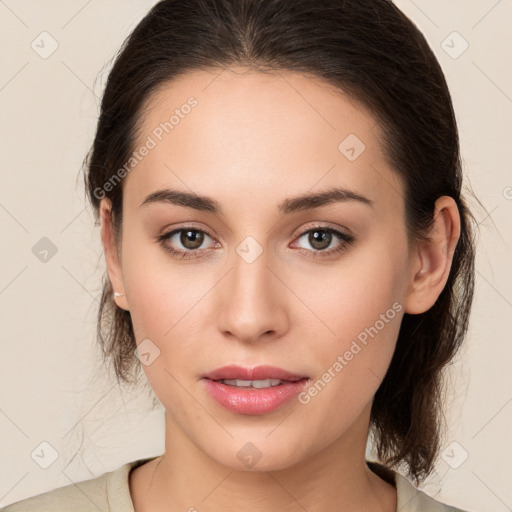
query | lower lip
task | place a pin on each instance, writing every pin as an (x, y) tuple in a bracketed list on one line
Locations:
[(253, 400)]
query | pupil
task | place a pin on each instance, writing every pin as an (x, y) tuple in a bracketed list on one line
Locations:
[(191, 239), (316, 239)]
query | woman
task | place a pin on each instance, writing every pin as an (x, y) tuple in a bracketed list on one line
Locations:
[(289, 255)]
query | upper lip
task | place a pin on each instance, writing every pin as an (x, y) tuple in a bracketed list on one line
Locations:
[(262, 372)]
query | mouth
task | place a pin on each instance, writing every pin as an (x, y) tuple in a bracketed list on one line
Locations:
[(263, 376), (258, 384), (253, 391)]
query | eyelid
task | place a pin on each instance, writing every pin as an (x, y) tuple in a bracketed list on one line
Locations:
[(186, 225), (323, 225)]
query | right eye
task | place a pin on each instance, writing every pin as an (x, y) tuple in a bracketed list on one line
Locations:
[(189, 237)]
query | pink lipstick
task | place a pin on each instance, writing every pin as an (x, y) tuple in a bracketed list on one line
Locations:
[(257, 390)]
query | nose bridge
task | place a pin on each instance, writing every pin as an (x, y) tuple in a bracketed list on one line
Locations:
[(250, 277), (252, 302)]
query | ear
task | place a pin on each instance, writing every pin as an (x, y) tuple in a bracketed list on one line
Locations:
[(110, 249), (433, 258)]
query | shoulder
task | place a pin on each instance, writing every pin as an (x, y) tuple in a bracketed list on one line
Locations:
[(109, 492), (82, 496), (409, 498)]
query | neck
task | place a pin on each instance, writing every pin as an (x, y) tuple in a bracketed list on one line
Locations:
[(336, 478)]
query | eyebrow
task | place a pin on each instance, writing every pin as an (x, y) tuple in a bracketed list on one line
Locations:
[(293, 204)]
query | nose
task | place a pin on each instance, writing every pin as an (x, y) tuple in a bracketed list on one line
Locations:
[(252, 302)]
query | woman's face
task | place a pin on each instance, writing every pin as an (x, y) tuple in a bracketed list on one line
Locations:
[(263, 281)]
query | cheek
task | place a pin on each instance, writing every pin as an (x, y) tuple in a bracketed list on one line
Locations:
[(361, 308), (165, 308), (168, 304), (163, 305), (159, 292), (352, 297)]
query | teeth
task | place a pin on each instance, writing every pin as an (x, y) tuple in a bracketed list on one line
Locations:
[(259, 384)]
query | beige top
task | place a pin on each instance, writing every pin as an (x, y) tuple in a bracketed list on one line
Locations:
[(110, 492)]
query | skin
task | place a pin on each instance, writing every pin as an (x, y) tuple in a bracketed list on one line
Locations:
[(252, 141)]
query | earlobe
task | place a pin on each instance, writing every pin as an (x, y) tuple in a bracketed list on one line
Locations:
[(110, 249), (433, 258)]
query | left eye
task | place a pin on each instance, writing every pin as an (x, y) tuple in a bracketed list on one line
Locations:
[(321, 238)]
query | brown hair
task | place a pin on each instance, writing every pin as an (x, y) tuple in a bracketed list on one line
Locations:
[(373, 52)]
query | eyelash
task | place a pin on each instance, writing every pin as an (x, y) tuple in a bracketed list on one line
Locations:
[(344, 237)]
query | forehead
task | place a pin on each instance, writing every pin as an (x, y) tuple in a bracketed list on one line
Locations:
[(259, 134), (234, 101)]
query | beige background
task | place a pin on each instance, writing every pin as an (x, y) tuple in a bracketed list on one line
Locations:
[(49, 391)]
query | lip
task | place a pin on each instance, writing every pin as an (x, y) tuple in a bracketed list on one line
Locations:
[(257, 373), (253, 401)]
